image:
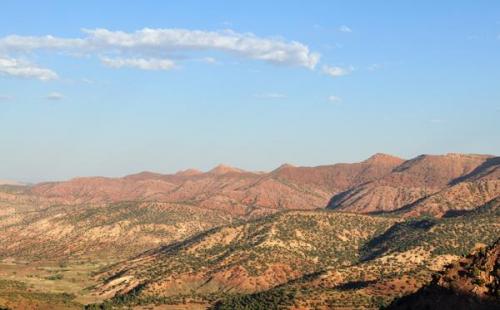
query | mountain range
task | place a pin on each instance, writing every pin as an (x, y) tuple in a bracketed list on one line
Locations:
[(336, 236), (381, 183)]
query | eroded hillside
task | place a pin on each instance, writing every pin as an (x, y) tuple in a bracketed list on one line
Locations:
[(300, 259)]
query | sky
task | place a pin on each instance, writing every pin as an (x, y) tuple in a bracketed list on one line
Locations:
[(112, 87)]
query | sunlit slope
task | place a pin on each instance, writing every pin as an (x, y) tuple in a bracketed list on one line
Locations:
[(250, 257)]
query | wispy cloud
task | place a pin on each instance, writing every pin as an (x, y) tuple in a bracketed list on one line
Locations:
[(334, 99), (207, 60), (270, 96), (375, 67), (471, 37), (23, 69), (345, 29), (153, 49), (437, 121), (337, 71), (139, 63), (4, 98), (54, 96)]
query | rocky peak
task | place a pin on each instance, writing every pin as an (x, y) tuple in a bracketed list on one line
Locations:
[(224, 169), (381, 158), (188, 172)]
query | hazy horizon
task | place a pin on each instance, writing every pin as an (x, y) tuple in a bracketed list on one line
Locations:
[(115, 88)]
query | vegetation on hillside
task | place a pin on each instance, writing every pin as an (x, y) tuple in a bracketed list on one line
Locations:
[(472, 282), (17, 295), (393, 263), (118, 230)]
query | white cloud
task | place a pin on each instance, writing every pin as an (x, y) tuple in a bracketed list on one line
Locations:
[(161, 43), (337, 71), (344, 28), (242, 44), (139, 63), (54, 96), (334, 99), (207, 60), (270, 96), (23, 69), (16, 43)]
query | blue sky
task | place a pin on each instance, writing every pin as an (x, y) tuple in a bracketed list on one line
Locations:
[(124, 87)]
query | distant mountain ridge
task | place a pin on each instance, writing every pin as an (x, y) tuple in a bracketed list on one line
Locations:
[(11, 182), (416, 182), (382, 183), (231, 189)]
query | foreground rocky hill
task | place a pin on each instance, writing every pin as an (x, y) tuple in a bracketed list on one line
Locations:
[(472, 282)]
